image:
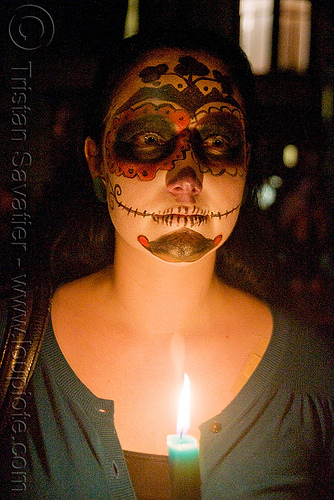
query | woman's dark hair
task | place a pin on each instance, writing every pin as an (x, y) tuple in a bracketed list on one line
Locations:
[(89, 247)]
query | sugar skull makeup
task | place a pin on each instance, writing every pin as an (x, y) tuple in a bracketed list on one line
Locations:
[(146, 138), (175, 155)]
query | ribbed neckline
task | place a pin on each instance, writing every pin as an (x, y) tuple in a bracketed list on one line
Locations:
[(70, 383)]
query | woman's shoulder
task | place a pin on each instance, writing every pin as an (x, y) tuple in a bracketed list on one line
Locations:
[(81, 289), (310, 341), (247, 311), (309, 355), (79, 306)]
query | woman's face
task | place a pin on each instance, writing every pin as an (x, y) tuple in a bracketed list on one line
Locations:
[(175, 155)]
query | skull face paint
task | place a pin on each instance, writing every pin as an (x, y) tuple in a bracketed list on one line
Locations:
[(146, 139), (175, 155)]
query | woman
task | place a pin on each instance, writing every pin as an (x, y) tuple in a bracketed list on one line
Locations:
[(171, 159)]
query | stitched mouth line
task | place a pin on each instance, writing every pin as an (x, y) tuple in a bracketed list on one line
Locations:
[(183, 215), (185, 219), (169, 218)]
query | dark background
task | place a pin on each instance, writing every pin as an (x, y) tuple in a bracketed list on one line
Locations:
[(300, 222)]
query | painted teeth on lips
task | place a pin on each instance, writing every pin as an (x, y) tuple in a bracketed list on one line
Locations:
[(185, 210), (171, 219)]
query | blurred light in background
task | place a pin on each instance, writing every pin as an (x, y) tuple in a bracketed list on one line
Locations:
[(275, 181), (256, 25), (290, 156), (132, 19), (294, 34), (267, 193), (266, 196), (327, 103)]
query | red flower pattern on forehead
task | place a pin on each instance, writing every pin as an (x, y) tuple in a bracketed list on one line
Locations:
[(147, 171), (179, 117)]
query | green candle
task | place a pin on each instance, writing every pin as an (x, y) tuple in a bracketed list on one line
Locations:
[(183, 453)]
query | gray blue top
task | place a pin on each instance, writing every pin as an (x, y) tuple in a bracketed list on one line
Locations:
[(277, 437), (275, 442)]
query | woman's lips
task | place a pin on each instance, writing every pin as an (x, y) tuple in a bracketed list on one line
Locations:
[(183, 245)]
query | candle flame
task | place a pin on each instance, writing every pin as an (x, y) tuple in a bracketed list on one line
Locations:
[(183, 419)]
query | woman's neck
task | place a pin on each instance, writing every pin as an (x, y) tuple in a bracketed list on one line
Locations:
[(158, 294)]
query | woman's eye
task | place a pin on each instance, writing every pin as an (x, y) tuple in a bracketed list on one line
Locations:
[(219, 139), (215, 145), (148, 140), (144, 147)]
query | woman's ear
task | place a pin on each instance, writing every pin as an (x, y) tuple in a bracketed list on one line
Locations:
[(93, 158)]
